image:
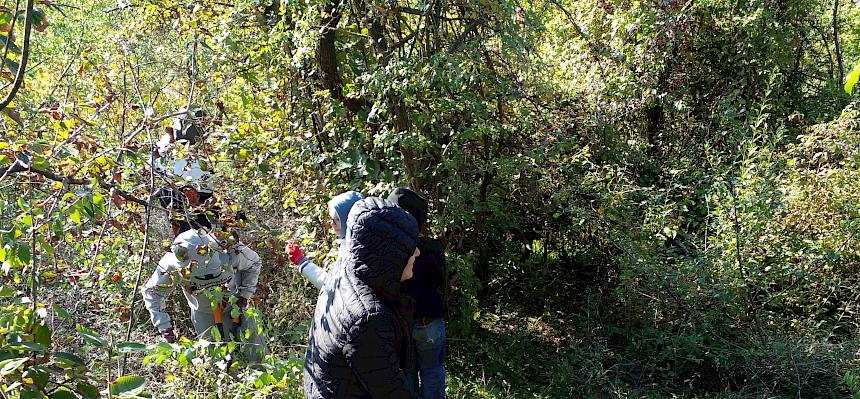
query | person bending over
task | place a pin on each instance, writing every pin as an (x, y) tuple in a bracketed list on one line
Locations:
[(217, 275)]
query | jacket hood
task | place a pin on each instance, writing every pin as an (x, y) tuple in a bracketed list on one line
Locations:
[(341, 204), (380, 239), (201, 256)]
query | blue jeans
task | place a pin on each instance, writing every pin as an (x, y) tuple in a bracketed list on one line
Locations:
[(429, 357)]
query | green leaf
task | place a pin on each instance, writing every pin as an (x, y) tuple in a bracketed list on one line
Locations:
[(128, 347), (88, 391), (10, 365), (46, 247), (86, 205), (99, 204), (40, 162), (4, 41), (127, 386), (39, 376), (62, 312), (62, 393), (7, 292), (30, 394), (27, 346), (42, 335), (5, 17), (68, 360), (76, 216), (92, 336), (852, 79), (24, 254)]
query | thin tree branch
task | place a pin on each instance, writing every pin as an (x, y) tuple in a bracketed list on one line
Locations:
[(142, 255), (17, 167), (25, 53), (840, 71), (11, 31)]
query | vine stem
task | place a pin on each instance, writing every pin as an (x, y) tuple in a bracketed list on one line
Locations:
[(33, 285), (142, 251)]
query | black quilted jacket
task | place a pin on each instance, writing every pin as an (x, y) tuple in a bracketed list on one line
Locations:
[(358, 345)]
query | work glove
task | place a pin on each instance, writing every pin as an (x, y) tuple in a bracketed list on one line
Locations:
[(168, 335), (295, 253), (242, 303)]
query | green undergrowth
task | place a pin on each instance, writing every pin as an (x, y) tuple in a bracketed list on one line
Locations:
[(583, 341)]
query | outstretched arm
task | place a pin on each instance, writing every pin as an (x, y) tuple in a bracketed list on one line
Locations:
[(314, 273)]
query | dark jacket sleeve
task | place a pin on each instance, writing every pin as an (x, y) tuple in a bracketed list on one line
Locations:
[(372, 356)]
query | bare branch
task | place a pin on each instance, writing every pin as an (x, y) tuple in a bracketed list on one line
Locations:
[(18, 167), (25, 53), (415, 11)]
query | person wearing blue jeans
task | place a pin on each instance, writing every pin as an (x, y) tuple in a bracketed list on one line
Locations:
[(428, 279), (430, 355)]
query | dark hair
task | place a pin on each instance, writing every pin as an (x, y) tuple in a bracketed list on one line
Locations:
[(411, 202), (198, 221)]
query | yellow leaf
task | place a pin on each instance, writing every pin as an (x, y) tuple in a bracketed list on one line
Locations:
[(104, 161), (63, 128)]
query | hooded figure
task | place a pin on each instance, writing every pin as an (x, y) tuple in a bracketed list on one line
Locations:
[(341, 204), (359, 342), (426, 287), (339, 207)]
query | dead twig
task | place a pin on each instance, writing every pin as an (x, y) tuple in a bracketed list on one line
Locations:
[(25, 53)]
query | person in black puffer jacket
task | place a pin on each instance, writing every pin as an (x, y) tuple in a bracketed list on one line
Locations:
[(359, 343)]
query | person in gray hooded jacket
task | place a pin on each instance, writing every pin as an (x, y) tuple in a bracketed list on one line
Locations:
[(210, 271), (359, 343)]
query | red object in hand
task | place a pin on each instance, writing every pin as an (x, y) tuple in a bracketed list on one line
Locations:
[(168, 335), (295, 253)]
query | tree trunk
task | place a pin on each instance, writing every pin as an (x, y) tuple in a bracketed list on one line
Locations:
[(326, 51), (840, 70)]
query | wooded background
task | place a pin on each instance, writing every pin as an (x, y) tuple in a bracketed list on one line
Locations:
[(638, 198)]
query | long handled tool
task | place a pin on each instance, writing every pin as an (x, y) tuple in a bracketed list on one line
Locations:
[(219, 322)]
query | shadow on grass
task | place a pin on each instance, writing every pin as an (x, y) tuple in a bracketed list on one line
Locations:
[(513, 355), (544, 334)]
